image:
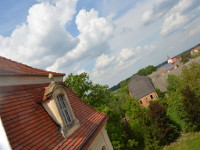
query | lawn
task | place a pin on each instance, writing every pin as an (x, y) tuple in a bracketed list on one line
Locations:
[(189, 141)]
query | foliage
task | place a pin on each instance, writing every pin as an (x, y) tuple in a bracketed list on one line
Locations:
[(160, 93), (99, 97), (131, 126), (119, 85), (174, 83), (159, 127), (135, 115), (183, 97), (175, 108), (147, 70), (185, 57), (191, 77), (80, 84), (191, 103), (196, 54)]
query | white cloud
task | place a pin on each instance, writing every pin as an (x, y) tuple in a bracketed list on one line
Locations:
[(126, 53), (43, 35), (159, 9), (94, 33), (103, 61), (113, 68), (109, 48), (176, 18), (80, 71), (172, 23)]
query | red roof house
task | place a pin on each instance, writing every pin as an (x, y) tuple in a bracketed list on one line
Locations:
[(41, 114), (171, 60), (195, 50)]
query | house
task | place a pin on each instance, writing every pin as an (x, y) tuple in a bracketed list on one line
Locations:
[(171, 60), (41, 113), (140, 87), (195, 50)]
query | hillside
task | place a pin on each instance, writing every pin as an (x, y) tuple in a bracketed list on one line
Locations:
[(142, 72), (189, 141)]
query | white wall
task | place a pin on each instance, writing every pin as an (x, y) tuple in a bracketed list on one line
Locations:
[(4, 144)]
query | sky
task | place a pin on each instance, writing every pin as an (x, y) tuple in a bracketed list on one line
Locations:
[(108, 39)]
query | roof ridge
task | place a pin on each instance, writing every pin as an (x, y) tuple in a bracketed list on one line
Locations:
[(25, 65)]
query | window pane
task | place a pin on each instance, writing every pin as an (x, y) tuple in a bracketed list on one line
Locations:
[(64, 109)]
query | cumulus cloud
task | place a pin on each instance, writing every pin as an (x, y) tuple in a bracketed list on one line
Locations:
[(94, 33), (173, 22), (103, 61), (178, 16), (113, 68), (174, 13), (159, 9), (43, 37), (106, 47)]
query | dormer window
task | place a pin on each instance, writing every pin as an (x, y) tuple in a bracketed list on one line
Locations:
[(64, 110), (57, 105)]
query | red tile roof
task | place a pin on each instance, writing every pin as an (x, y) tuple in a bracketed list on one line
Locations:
[(28, 125), (168, 58), (174, 60), (196, 48), (12, 68)]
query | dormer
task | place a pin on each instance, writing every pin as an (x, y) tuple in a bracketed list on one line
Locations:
[(57, 105)]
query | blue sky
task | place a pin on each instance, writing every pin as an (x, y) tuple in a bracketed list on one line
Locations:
[(108, 39)]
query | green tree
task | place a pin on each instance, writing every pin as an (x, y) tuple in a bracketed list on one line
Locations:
[(175, 108), (191, 103), (159, 127), (174, 83), (190, 76), (160, 94), (80, 84), (99, 97), (147, 70), (183, 94)]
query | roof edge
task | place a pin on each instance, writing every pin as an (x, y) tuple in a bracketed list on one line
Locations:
[(45, 71), (93, 134)]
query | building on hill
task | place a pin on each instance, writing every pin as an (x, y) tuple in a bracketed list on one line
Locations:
[(171, 60), (159, 77), (140, 87), (41, 113), (195, 50)]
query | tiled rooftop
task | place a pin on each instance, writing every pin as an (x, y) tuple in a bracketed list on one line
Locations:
[(12, 68), (196, 48), (28, 125)]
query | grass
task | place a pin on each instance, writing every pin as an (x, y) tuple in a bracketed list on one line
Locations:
[(189, 141)]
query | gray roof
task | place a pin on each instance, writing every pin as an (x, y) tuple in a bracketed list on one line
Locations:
[(140, 86)]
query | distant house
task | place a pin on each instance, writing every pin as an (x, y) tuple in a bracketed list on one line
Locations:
[(159, 77), (140, 87), (171, 60), (41, 113), (195, 50)]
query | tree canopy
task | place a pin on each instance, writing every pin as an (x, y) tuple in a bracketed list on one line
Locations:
[(131, 126), (147, 70)]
